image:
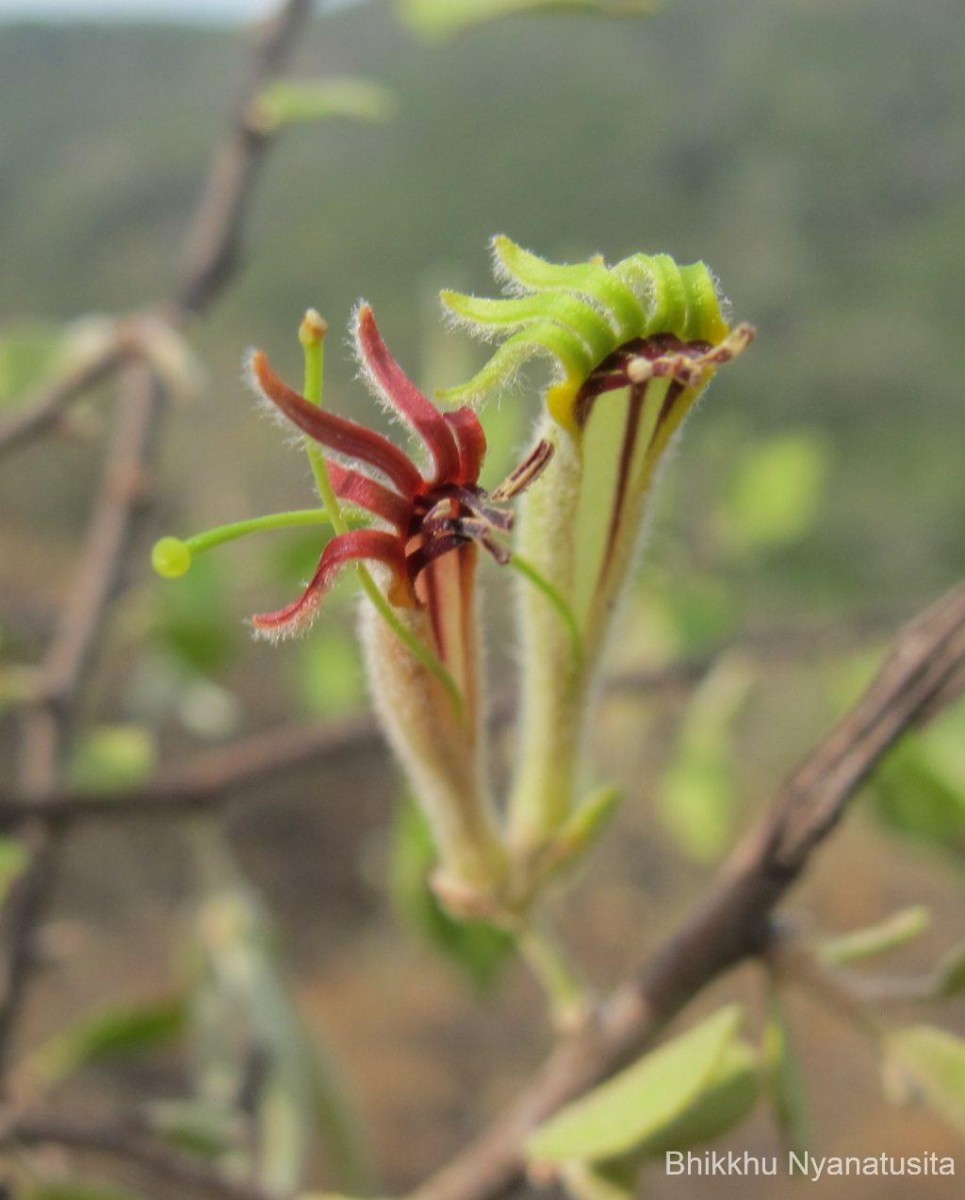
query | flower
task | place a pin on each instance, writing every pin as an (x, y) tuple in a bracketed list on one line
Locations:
[(419, 629), (632, 347), (423, 514)]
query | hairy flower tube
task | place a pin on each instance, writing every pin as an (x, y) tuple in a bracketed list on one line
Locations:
[(417, 558), (633, 347)]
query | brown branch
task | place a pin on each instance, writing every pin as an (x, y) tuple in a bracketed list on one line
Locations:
[(219, 777), (45, 408), (734, 921), (47, 721), (127, 1145)]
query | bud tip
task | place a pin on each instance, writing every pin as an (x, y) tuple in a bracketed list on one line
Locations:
[(171, 558)]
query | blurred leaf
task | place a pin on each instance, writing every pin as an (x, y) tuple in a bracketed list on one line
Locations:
[(194, 621), (726, 1100), (112, 1035), (29, 353), (641, 1102), (442, 18), (601, 1181), (13, 862), (331, 678), (291, 101), (777, 490), (113, 757), (255, 1056), (478, 949), (933, 1061), (950, 973), (891, 934), (785, 1077), (206, 1130), (920, 789), (698, 793)]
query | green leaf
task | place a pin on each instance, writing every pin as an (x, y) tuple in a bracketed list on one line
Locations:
[(109, 1036), (601, 1181), (443, 18), (478, 949), (698, 793), (950, 973), (891, 934), (244, 1017), (194, 619), (13, 862), (726, 1100), (290, 102), (777, 490), (29, 353), (331, 678), (933, 1062), (113, 757), (206, 1130), (785, 1077), (920, 789), (642, 1101)]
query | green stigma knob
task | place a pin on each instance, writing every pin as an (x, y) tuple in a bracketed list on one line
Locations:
[(171, 557)]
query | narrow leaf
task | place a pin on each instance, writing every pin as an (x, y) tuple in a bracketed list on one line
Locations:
[(115, 1034), (933, 1061), (288, 102), (642, 1100), (891, 934), (785, 1078)]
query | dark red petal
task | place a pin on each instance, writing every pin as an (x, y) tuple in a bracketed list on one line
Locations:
[(429, 551), (358, 489), (337, 433), (401, 394), (472, 443), (340, 551)]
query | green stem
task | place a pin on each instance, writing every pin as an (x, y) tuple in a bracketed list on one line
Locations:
[(565, 992), (313, 344), (535, 577), (238, 529)]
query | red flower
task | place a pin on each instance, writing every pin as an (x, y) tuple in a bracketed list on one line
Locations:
[(423, 515)]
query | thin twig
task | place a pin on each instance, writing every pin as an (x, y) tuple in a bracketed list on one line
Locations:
[(734, 921), (43, 409), (152, 1158), (47, 722), (219, 777)]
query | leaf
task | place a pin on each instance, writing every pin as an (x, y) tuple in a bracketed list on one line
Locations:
[(640, 1102), (920, 789), (13, 862), (727, 1098), (331, 678), (194, 1126), (950, 973), (777, 490), (293, 102), (891, 934), (785, 1077), (443, 18), (29, 353), (254, 1056), (113, 757), (109, 1036), (478, 949), (933, 1061), (698, 793)]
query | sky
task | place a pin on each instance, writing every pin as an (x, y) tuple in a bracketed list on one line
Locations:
[(181, 10)]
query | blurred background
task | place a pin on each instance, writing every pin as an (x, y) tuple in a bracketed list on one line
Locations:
[(813, 153)]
